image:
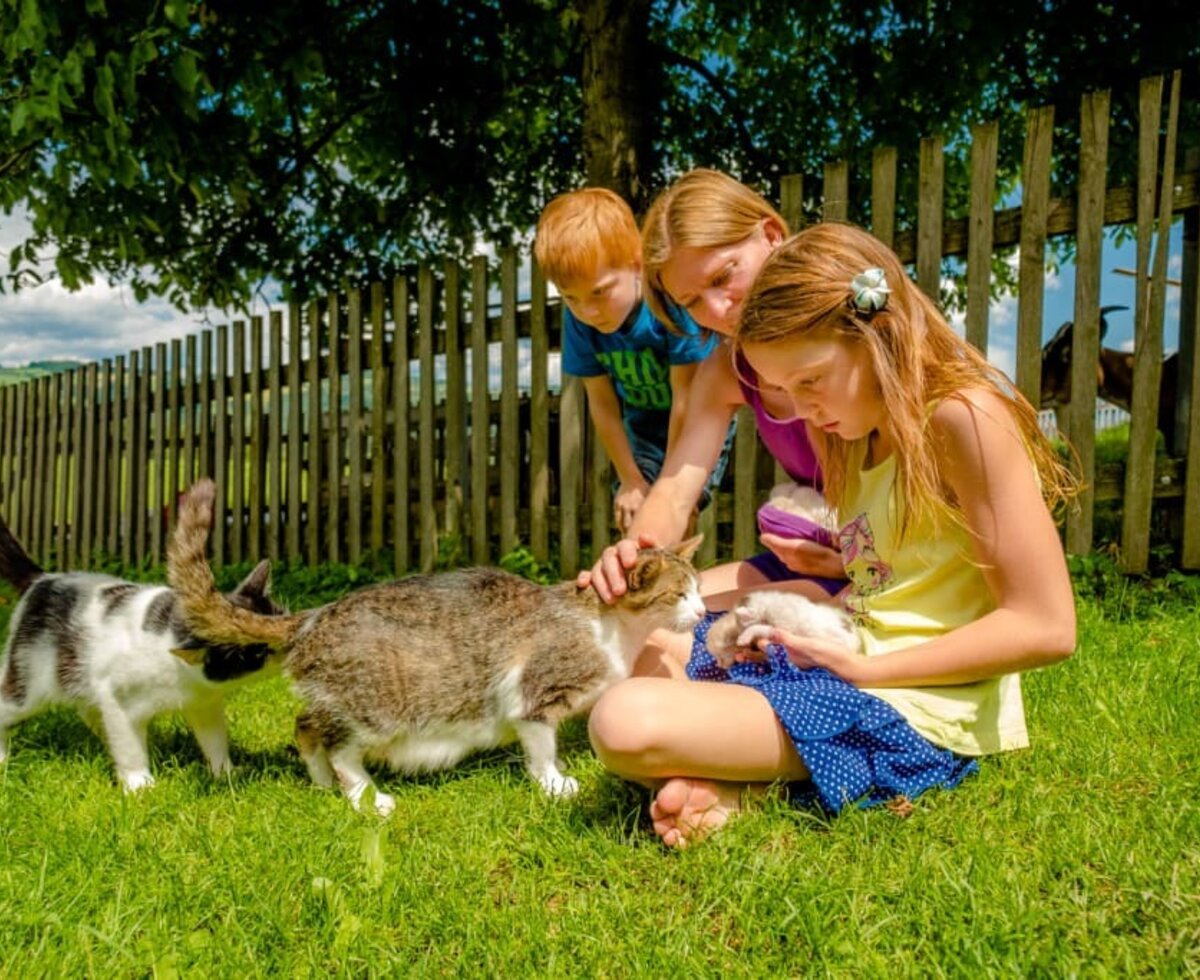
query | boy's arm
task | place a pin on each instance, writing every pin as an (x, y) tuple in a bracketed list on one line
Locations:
[(605, 409)]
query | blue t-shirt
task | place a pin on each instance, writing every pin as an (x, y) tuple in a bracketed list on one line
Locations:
[(638, 358)]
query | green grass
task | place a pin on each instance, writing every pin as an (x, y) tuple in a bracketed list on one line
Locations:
[(1080, 856)]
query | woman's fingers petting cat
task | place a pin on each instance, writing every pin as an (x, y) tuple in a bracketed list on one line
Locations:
[(607, 576)]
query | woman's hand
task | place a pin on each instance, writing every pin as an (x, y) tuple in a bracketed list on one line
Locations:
[(811, 651), (805, 556), (607, 576)]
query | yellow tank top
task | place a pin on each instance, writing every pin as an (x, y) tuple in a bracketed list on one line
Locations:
[(903, 595)]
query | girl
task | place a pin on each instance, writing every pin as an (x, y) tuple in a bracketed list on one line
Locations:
[(704, 240), (944, 487)]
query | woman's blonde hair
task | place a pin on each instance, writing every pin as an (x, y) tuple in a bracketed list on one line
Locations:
[(703, 209), (918, 359)]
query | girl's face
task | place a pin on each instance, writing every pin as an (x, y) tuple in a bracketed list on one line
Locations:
[(712, 283), (829, 382)]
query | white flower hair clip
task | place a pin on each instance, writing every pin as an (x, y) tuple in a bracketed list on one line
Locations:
[(869, 291)]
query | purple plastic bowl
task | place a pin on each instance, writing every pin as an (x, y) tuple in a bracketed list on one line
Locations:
[(772, 520)]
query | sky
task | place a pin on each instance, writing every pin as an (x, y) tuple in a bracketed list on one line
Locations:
[(49, 323)]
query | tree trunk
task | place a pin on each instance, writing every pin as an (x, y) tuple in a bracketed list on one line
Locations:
[(619, 85)]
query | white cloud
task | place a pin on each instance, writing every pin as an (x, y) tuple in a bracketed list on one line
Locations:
[(49, 322)]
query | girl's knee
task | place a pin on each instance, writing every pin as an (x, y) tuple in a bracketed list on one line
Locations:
[(626, 722)]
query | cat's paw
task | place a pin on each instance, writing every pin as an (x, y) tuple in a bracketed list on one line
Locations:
[(560, 786), (133, 782), (384, 804), (750, 636), (221, 768), (366, 796)]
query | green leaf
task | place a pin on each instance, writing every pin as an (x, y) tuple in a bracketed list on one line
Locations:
[(176, 12), (19, 114), (184, 71), (102, 97)]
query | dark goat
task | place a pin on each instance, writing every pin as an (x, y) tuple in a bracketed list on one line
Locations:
[(1114, 376)]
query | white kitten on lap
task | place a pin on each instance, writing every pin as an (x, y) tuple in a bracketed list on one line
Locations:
[(758, 613)]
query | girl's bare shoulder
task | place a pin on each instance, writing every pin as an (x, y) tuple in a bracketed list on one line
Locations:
[(973, 413)]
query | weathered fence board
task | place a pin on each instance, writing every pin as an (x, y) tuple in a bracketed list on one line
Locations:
[(1031, 269), (1093, 156), (984, 147), (238, 446), (930, 215)]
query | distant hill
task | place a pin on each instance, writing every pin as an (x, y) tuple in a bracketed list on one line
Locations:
[(34, 369)]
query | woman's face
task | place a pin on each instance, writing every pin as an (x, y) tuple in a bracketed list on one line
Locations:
[(829, 382), (712, 283)]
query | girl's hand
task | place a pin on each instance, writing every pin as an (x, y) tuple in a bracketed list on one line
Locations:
[(607, 576), (811, 651), (805, 556)]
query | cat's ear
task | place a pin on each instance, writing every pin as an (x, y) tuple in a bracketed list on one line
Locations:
[(258, 582), (644, 571), (688, 548)]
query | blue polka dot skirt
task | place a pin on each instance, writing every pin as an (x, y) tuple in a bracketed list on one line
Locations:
[(859, 749)]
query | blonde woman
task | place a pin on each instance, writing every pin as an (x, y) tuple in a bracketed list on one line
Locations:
[(704, 240)]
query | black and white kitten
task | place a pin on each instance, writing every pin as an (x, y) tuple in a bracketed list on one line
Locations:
[(105, 646)]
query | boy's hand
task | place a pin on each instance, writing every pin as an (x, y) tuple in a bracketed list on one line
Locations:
[(607, 576), (804, 556), (629, 498)]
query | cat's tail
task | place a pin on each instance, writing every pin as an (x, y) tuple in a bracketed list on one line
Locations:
[(16, 567), (209, 613)]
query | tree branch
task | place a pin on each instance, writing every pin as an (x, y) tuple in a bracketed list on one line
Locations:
[(729, 98)]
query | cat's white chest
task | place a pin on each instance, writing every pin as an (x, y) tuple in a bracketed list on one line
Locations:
[(612, 643)]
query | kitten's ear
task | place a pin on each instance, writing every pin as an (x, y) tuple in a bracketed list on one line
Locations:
[(258, 582), (687, 550)]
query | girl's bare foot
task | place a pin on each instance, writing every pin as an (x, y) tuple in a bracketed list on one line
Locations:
[(686, 810)]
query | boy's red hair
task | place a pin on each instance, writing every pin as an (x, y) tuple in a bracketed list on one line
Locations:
[(582, 231)]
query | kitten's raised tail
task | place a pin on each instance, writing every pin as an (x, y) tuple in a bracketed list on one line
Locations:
[(16, 566), (210, 614)]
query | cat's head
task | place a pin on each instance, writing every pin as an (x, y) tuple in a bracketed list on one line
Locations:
[(663, 585), (223, 662)]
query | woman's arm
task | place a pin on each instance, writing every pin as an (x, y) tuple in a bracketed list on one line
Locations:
[(664, 515), (681, 387), (989, 473)]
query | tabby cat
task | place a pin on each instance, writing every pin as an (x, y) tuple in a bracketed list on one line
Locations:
[(422, 671)]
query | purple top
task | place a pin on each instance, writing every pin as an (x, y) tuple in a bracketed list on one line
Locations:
[(786, 441)]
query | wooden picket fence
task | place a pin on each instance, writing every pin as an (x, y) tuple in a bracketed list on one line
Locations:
[(367, 424)]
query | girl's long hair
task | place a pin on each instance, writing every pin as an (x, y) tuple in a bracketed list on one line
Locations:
[(918, 358), (703, 209)]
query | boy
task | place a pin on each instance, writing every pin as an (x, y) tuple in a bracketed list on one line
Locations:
[(635, 370)]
